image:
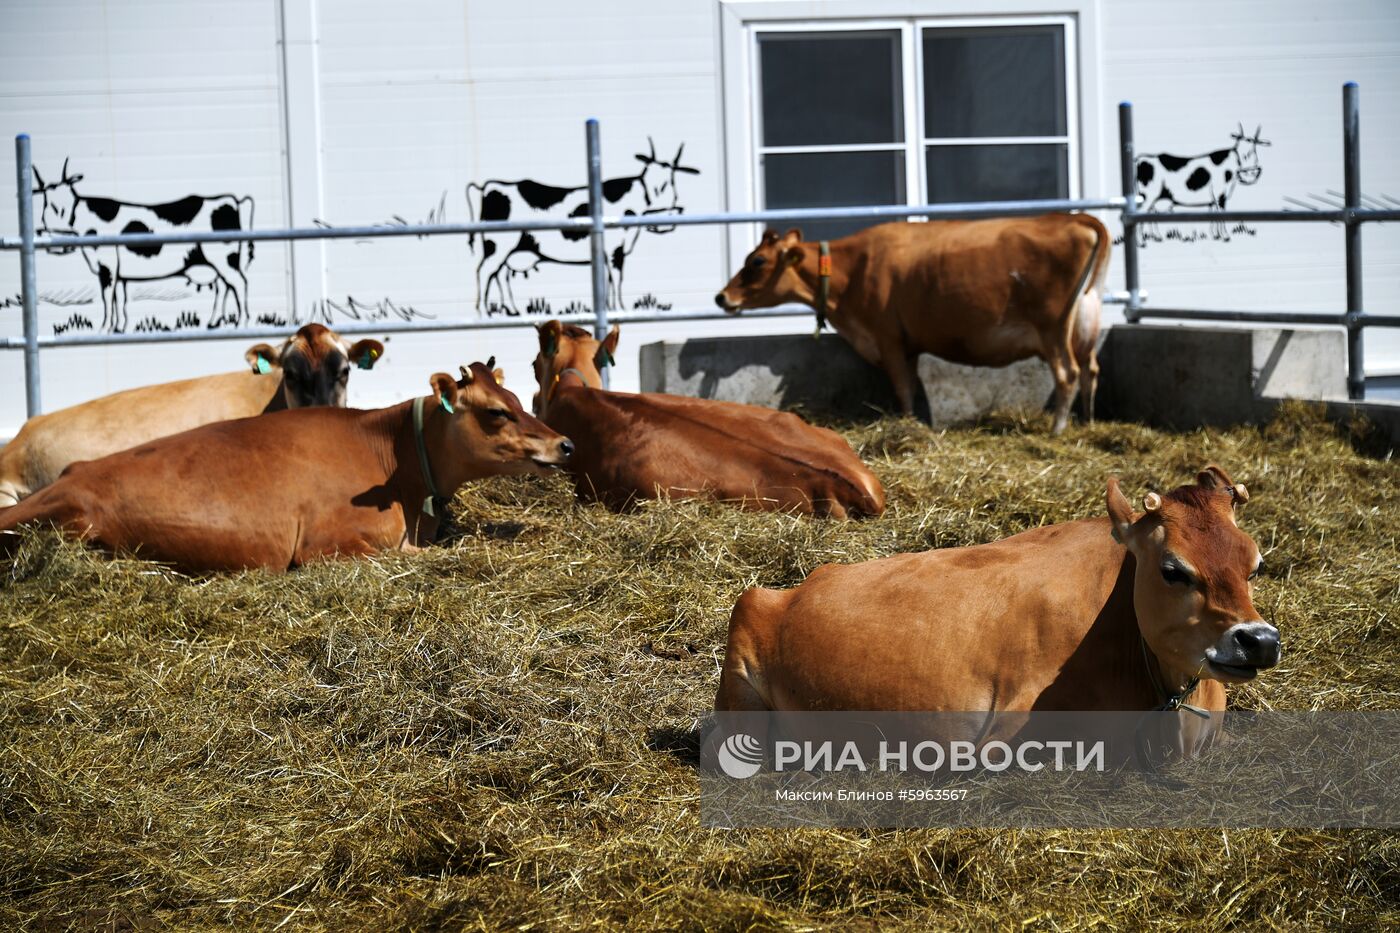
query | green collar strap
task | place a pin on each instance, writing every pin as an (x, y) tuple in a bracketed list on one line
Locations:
[(434, 499), (823, 284)]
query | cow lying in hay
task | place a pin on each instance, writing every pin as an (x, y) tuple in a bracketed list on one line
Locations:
[(1136, 611), (282, 489), (641, 446), (312, 367), (982, 293)]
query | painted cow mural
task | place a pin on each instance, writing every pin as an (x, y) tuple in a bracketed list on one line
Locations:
[(1167, 181), (505, 256), (63, 210)]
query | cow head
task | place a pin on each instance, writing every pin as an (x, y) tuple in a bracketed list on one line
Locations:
[(1247, 149), (1192, 588), (58, 205), (658, 181), (570, 352), (315, 364), (769, 275), (484, 431)]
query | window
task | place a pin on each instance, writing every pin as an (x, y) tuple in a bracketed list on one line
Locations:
[(912, 112)]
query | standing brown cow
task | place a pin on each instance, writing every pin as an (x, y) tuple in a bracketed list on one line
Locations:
[(640, 446), (981, 292), (312, 367)]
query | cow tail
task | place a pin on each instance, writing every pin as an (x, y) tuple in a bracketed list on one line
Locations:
[(248, 225), (1086, 303)]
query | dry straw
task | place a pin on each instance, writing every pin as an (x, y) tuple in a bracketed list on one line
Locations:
[(499, 733)]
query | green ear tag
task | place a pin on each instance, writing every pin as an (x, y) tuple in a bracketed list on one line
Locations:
[(263, 366), (446, 405), (366, 361)]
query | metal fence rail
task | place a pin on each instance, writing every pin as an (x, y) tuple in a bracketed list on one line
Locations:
[(1352, 215)]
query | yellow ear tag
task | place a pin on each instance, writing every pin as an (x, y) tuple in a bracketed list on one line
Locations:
[(263, 366)]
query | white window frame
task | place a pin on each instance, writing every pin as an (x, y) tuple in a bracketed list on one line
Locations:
[(742, 21)]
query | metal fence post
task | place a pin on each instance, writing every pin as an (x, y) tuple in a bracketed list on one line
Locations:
[(1128, 166), (24, 193), (599, 257), (1351, 190)]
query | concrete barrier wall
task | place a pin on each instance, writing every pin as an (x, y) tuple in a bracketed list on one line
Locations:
[(1167, 376), (824, 374)]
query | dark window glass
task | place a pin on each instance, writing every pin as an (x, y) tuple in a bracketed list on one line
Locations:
[(997, 173), (829, 89), (1002, 81), (833, 179)]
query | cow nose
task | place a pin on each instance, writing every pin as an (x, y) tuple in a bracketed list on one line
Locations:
[(566, 448), (1258, 642), (719, 300)]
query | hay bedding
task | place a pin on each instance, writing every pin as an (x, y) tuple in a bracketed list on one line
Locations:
[(498, 733)]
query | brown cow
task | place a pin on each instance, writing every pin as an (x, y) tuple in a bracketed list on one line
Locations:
[(312, 367), (286, 488), (1063, 617), (983, 293), (641, 446)]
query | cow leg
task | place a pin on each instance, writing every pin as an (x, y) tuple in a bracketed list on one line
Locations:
[(1066, 374), (903, 369), (1088, 385)]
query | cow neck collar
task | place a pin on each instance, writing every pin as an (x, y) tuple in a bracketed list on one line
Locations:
[(823, 284), (554, 386), (435, 500), (1168, 702)]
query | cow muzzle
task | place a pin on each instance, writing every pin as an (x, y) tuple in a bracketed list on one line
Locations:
[(559, 455), (1249, 176), (725, 305), (1245, 649)]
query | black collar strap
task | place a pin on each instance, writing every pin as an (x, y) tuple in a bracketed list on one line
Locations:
[(823, 283), (434, 499), (1169, 703)]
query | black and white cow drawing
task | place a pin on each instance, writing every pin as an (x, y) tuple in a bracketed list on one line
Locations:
[(1167, 181), (506, 256), (220, 265)]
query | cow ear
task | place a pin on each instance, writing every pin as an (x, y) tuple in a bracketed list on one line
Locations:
[(1217, 480), (770, 236), (792, 237), (262, 357), (1120, 512), (365, 353), (444, 392), (792, 256), (550, 332), (607, 349)]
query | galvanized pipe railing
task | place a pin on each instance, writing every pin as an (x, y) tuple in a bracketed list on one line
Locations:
[(1352, 215)]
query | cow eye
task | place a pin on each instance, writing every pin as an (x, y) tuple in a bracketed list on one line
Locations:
[(498, 413), (1257, 570), (759, 262), (1175, 575)]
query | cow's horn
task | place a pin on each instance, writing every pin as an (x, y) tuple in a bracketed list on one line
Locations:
[(466, 375)]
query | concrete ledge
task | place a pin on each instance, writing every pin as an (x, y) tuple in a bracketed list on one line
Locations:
[(1172, 377), (824, 374), (1185, 377)]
